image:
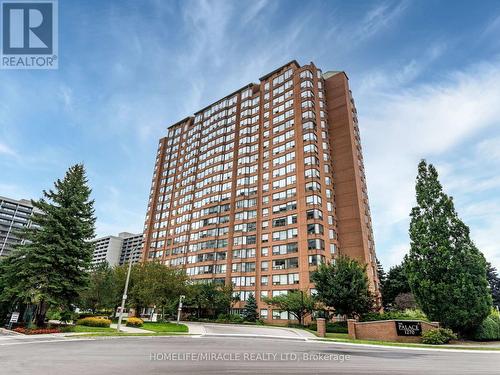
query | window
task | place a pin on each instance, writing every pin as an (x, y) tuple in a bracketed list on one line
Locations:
[(313, 186), (285, 234), (285, 249), (314, 214), (315, 229), (316, 244), (313, 199)]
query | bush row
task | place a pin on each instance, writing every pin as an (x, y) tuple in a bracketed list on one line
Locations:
[(395, 315), (335, 327), (94, 322)]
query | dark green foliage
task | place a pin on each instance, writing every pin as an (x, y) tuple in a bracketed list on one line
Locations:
[(209, 299), (395, 283), (50, 268), (394, 315), (99, 295), (151, 284), (494, 282), (489, 329), (335, 327), (297, 302), (250, 311), (438, 336), (445, 270), (381, 273), (230, 318), (343, 286)]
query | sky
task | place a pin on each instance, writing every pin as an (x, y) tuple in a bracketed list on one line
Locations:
[(425, 76)]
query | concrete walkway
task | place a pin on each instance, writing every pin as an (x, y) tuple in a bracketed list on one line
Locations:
[(126, 329), (242, 330)]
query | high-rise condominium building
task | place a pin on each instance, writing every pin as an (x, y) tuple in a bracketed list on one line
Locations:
[(15, 215), (260, 187), (118, 250)]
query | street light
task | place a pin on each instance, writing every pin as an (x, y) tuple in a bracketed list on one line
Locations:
[(126, 288), (179, 310)]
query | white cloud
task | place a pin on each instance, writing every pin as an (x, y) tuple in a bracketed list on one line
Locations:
[(490, 148), (6, 150), (400, 125)]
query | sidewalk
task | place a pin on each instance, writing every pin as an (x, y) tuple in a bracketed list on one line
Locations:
[(126, 329)]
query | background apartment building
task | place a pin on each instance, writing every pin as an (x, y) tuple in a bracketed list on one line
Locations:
[(15, 215), (118, 250), (260, 187)]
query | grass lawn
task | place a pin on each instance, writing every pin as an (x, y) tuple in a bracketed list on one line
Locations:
[(330, 337), (337, 335), (164, 327), (91, 329)]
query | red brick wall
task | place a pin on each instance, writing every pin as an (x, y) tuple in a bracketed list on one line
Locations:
[(383, 330)]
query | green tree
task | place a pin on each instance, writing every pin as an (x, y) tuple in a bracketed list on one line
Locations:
[(99, 293), (446, 272), (250, 310), (381, 274), (50, 268), (152, 284), (396, 283), (343, 286), (494, 282), (295, 302), (210, 299)]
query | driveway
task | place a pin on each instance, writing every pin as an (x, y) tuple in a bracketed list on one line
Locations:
[(215, 329)]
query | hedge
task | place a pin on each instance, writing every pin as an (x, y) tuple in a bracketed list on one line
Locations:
[(489, 329), (395, 315), (134, 322), (94, 322), (335, 327)]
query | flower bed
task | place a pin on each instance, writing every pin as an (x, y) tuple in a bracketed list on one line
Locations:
[(36, 331)]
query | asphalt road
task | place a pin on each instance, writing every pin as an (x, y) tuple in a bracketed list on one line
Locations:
[(229, 355)]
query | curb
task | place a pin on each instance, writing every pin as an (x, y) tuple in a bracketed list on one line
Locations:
[(432, 349)]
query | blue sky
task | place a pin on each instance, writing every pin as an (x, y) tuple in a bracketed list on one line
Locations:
[(425, 76)]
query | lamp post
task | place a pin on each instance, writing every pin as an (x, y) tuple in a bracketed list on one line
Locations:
[(124, 299), (179, 310)]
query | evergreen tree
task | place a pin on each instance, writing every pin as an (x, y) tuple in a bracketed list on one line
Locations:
[(395, 284), (494, 282), (381, 274), (51, 267), (343, 286), (445, 270), (250, 311)]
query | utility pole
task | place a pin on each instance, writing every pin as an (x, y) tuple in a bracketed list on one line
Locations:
[(125, 291), (179, 310)]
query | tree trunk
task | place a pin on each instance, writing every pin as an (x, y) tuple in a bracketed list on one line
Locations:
[(41, 311)]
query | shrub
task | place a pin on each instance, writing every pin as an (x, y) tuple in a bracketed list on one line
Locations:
[(94, 322), (229, 318), (334, 327), (395, 315), (489, 329), (134, 322), (438, 336)]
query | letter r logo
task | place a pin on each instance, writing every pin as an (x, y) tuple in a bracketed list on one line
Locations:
[(27, 28)]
